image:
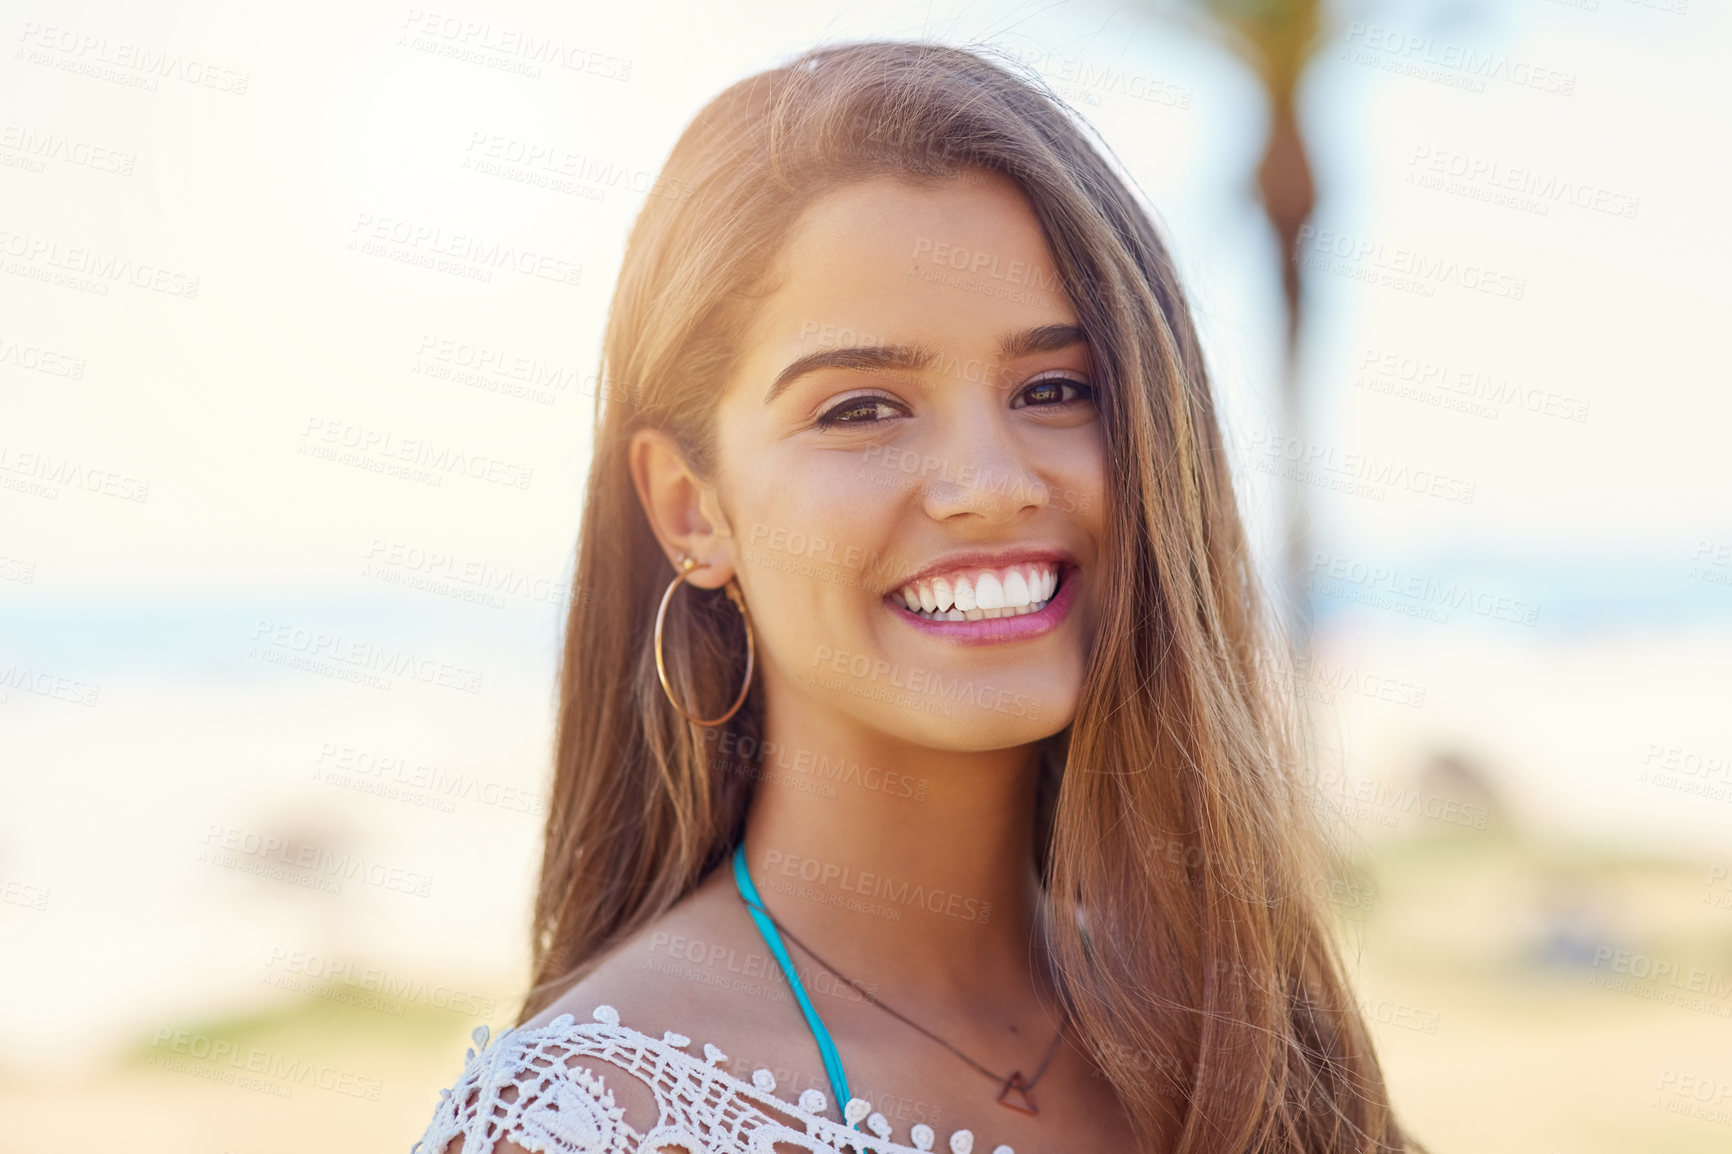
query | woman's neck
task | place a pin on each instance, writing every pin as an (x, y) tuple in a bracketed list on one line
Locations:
[(907, 867)]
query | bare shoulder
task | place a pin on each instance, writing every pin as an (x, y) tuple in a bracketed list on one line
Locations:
[(683, 974), (700, 971)]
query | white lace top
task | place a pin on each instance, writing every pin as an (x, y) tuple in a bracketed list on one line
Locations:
[(561, 1104)]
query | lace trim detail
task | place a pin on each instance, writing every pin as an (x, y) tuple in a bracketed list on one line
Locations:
[(524, 1088)]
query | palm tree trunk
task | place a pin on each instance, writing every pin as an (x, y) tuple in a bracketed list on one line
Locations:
[(1288, 195)]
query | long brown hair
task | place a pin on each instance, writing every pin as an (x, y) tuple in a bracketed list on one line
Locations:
[(1177, 851)]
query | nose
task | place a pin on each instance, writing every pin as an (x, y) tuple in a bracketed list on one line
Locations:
[(979, 469)]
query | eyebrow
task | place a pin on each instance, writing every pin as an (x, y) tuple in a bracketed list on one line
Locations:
[(916, 358)]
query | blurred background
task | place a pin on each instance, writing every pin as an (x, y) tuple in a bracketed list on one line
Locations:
[(1460, 271)]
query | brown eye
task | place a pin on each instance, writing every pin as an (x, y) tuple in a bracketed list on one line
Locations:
[(1048, 391), (858, 411)]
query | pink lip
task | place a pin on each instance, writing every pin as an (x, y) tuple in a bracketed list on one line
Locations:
[(997, 630)]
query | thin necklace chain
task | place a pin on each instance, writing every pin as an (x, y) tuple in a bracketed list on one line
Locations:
[(861, 990)]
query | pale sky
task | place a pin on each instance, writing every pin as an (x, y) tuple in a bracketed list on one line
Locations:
[(342, 128)]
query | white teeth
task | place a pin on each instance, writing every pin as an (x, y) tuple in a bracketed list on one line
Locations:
[(1009, 592)]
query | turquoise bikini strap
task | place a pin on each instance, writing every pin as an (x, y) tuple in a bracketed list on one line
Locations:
[(773, 939)]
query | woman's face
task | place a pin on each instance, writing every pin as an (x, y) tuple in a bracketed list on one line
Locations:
[(912, 465)]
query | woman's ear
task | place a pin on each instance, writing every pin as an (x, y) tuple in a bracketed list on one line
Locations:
[(682, 507)]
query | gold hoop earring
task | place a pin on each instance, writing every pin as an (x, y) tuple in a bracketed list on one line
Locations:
[(732, 589)]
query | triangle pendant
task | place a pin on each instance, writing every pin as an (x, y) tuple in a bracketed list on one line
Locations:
[(1018, 1095)]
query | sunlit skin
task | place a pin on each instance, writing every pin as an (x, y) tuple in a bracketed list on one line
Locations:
[(990, 447)]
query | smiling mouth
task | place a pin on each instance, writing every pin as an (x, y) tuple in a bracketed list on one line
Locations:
[(981, 594)]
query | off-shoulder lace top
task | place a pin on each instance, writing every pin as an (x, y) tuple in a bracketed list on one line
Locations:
[(533, 1087)]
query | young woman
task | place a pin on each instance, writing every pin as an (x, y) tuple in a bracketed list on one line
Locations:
[(924, 775)]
